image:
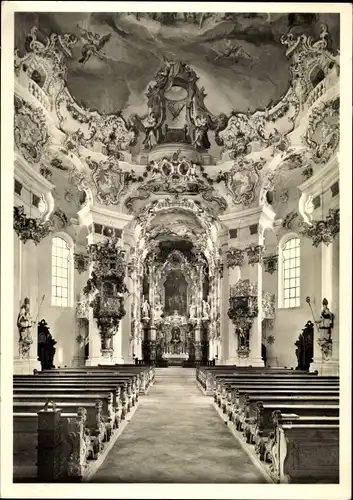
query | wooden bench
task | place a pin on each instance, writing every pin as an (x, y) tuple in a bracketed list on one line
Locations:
[(127, 396), (220, 383), (239, 395), (224, 390), (229, 398), (146, 375), (97, 424), (304, 449), (257, 427), (125, 383), (206, 376), (31, 436)]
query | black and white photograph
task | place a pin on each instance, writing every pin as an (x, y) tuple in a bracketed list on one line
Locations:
[(175, 295)]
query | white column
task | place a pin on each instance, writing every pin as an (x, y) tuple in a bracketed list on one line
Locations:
[(329, 291), (224, 305), (255, 359)]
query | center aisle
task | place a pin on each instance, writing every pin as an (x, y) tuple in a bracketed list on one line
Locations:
[(176, 436)]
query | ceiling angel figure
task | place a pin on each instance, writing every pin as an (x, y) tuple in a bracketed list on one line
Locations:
[(94, 45), (233, 52)]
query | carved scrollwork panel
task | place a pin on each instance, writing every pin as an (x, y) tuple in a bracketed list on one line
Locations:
[(30, 131)]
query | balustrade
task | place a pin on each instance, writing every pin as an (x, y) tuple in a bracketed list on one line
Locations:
[(39, 94)]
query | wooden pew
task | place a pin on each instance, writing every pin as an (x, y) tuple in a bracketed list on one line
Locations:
[(126, 384), (128, 394), (103, 400), (206, 376), (224, 390), (220, 383), (258, 427), (233, 395), (145, 374), (45, 391), (100, 430), (73, 450), (304, 449)]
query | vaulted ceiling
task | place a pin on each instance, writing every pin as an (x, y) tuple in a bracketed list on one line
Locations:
[(238, 57)]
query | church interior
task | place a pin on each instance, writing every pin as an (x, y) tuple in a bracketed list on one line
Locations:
[(176, 247)]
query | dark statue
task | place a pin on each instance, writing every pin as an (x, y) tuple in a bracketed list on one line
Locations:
[(46, 349), (305, 348)]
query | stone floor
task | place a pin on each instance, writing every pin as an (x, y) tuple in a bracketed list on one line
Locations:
[(176, 436)]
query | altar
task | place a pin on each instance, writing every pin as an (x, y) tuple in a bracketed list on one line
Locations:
[(175, 359), (173, 339)]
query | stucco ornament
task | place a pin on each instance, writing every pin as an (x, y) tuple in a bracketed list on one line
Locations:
[(30, 131), (109, 180), (241, 180), (309, 58), (238, 134), (322, 135), (176, 175)]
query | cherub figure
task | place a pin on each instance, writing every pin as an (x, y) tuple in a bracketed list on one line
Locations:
[(94, 45)]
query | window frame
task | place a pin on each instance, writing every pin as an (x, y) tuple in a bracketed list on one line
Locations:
[(281, 272), (70, 275)]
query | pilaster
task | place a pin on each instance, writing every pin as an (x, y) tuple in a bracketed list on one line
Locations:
[(244, 262)]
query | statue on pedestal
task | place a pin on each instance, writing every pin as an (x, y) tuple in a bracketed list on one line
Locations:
[(205, 310), (145, 309), (46, 349), (158, 310), (192, 311), (325, 322), (24, 322)]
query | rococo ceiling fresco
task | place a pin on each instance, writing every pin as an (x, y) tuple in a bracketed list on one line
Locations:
[(238, 57), (125, 109)]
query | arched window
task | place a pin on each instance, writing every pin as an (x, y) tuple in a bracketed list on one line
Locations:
[(60, 272), (289, 272)]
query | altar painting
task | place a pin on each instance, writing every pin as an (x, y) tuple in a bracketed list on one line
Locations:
[(175, 288)]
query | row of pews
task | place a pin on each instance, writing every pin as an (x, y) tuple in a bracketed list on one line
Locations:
[(64, 418), (288, 419)]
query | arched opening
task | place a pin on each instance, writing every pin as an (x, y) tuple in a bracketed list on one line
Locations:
[(316, 76), (38, 77)]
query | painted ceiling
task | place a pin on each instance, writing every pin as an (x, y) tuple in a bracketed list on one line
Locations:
[(238, 57)]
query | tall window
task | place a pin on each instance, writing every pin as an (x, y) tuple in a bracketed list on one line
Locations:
[(60, 272), (291, 273)]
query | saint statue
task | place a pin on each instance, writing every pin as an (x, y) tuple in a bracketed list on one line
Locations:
[(145, 309), (150, 124), (205, 310), (326, 318), (24, 322), (192, 311), (201, 141), (158, 311)]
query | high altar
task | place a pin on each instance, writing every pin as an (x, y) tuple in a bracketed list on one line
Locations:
[(177, 311)]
